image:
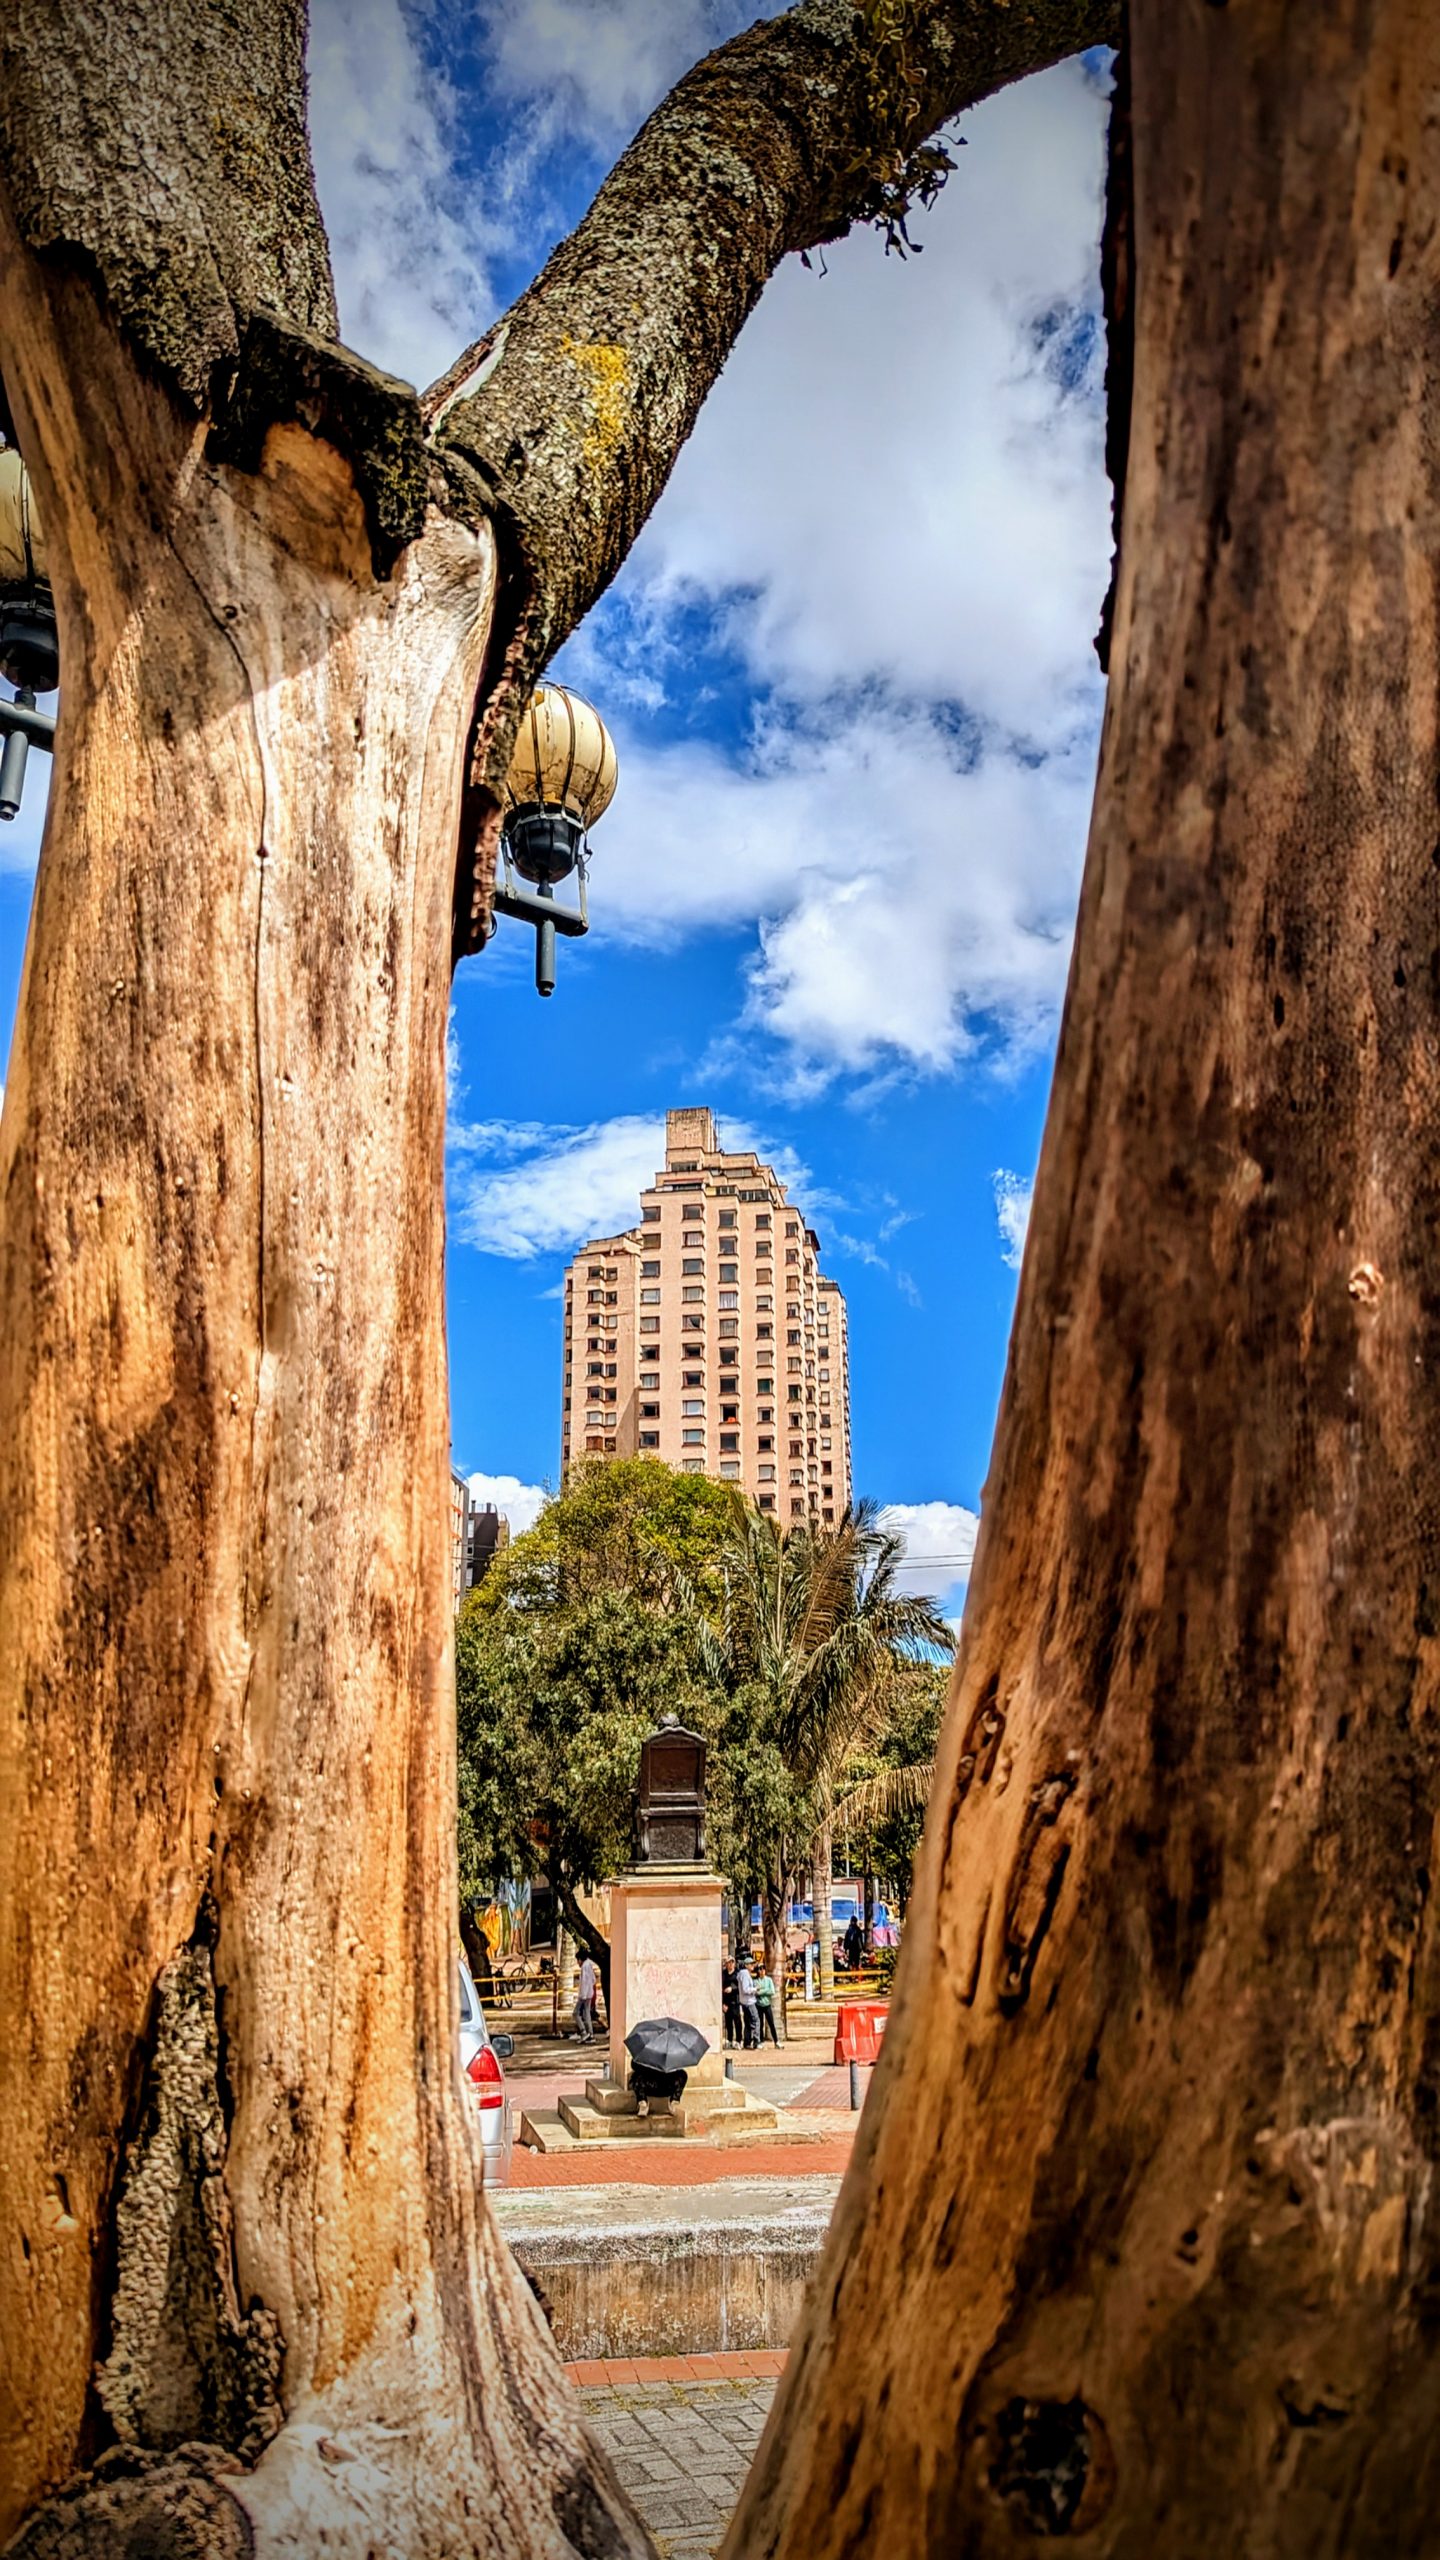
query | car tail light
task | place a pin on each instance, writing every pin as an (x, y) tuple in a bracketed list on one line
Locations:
[(489, 2079)]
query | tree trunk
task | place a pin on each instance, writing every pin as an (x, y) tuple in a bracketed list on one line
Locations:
[(583, 1933), (1144, 2229), (226, 1682), (821, 1883), (869, 1892), (566, 1967)]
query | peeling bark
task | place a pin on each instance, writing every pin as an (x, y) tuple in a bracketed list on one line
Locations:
[(1143, 2230), (225, 1665)]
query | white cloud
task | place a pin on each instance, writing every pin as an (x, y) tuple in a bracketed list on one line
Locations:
[(523, 1188), (1013, 1196), (409, 249), (893, 512), (939, 1547), (905, 907), (593, 69), (900, 471), (521, 1503)]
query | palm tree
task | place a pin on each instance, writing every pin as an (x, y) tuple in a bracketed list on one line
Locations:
[(813, 1624)]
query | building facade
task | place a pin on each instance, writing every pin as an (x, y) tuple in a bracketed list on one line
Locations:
[(706, 1335)]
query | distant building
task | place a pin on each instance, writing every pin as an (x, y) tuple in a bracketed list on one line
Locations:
[(489, 1534), (707, 1335), (459, 1534)]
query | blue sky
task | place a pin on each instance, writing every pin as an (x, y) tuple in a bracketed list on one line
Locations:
[(850, 677)]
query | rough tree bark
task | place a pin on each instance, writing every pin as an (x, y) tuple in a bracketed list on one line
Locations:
[(1144, 2233), (240, 2195)]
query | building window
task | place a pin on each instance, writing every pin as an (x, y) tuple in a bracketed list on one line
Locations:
[(767, 1441), (729, 1327), (729, 1412), (692, 1439), (693, 1378), (793, 1338), (651, 1413), (729, 1298), (797, 1448), (729, 1439), (692, 1297), (792, 1226), (649, 1297), (730, 1467), (692, 1466), (729, 1270), (595, 1271), (692, 1404), (797, 1475), (649, 1324), (766, 1474), (763, 1220), (727, 1218), (692, 1209), (764, 1386), (649, 1216), (649, 1439), (797, 1510), (829, 1514), (824, 1440), (649, 1270), (764, 1333), (767, 1501), (693, 1265)]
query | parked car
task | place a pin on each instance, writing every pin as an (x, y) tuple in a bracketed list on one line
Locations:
[(481, 2057)]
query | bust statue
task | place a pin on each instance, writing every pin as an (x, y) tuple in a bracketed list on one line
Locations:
[(670, 1798)]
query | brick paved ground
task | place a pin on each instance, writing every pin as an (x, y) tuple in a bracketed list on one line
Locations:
[(682, 2439), (682, 2164)]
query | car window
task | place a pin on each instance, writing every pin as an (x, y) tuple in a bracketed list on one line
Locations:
[(467, 2000)]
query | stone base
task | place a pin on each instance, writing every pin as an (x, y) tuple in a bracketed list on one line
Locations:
[(607, 2113)]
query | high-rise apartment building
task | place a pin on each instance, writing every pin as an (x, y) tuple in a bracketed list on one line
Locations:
[(707, 1336)]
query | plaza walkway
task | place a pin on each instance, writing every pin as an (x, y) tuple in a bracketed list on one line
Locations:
[(681, 2432)]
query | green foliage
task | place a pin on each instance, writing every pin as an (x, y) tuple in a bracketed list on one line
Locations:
[(816, 1650), (882, 1814), (641, 1593), (630, 1525)]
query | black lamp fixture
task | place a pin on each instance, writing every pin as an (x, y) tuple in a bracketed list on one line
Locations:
[(29, 652), (562, 778)]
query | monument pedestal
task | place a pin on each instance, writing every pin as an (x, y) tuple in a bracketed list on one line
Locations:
[(665, 1951)]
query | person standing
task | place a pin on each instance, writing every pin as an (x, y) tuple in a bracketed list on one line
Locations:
[(765, 2003), (730, 2002), (749, 2007), (589, 1991), (854, 1943)]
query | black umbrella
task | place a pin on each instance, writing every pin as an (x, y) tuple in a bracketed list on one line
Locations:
[(666, 2045)]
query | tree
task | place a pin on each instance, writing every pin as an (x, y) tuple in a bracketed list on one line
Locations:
[(554, 1704), (1142, 2232), (815, 1641), (889, 1785), (300, 610)]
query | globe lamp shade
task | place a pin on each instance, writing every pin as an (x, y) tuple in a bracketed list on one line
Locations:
[(562, 778), (28, 653)]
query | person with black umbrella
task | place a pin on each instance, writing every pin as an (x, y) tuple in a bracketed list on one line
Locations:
[(662, 2052)]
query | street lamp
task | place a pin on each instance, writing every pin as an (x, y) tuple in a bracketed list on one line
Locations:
[(561, 779), (29, 654)]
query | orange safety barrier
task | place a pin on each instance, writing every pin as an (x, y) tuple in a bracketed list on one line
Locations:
[(859, 2026)]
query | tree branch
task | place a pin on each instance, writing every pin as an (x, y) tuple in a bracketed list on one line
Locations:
[(163, 151), (574, 407)]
